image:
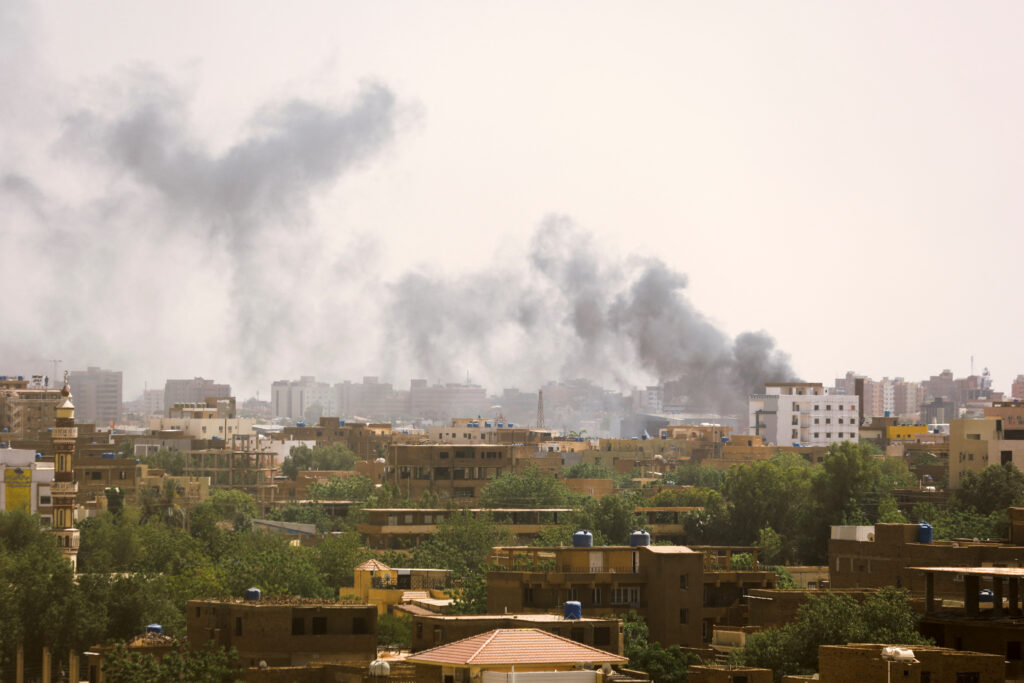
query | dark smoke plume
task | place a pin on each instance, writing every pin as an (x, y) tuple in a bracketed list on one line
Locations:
[(575, 312)]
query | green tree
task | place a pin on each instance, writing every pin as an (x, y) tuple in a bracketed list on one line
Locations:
[(327, 457), (357, 488), (171, 462), (664, 664), (587, 470), (394, 631), (531, 488), (994, 489), (40, 603), (611, 519), (337, 556), (209, 664), (462, 543), (831, 619)]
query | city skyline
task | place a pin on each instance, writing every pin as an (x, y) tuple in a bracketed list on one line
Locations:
[(249, 194)]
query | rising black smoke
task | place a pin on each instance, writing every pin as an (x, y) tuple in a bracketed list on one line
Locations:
[(575, 312)]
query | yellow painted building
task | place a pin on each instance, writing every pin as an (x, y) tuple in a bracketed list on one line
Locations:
[(905, 432), (384, 587)]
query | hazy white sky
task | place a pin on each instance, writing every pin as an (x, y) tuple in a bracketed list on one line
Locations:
[(844, 176)]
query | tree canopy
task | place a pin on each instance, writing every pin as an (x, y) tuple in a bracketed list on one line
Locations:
[(532, 488), (831, 619), (328, 457)]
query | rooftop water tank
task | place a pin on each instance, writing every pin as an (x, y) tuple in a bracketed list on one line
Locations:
[(380, 668), (300, 424), (924, 532), (985, 595), (583, 539), (253, 595), (573, 610), (638, 538), (154, 628), (39, 456), (108, 456), (341, 423), (725, 439)]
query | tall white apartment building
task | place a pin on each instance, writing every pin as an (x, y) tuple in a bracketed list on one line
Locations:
[(803, 413), (303, 399)]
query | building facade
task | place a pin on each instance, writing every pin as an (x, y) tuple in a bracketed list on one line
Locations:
[(802, 413), (195, 390), (98, 395), (681, 592)]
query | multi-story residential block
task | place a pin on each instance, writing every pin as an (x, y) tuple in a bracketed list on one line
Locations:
[(407, 527), (454, 472), (27, 410), (304, 399), (440, 402), (681, 592), (25, 483), (1017, 390), (367, 440), (884, 555), (803, 413), (286, 631), (996, 439), (195, 390), (97, 395)]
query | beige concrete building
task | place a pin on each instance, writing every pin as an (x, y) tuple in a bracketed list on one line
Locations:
[(995, 439), (285, 631), (681, 592), (27, 411)]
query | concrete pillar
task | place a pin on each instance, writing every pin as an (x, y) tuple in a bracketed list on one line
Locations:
[(1014, 598), (73, 662), (47, 674), (971, 586), (997, 596), (929, 592), (19, 667)]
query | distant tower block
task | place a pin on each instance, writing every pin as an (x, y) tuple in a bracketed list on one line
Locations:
[(540, 409), (64, 487)]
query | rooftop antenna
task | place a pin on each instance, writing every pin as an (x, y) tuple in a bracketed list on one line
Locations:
[(540, 409)]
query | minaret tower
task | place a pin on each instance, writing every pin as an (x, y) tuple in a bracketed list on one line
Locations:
[(64, 487)]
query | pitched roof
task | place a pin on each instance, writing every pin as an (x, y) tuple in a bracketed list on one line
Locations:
[(514, 646), (373, 565)]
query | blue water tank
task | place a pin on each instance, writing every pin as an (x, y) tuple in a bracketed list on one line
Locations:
[(154, 628), (108, 456), (583, 539), (638, 538), (341, 423), (487, 424), (573, 610), (39, 456), (300, 424), (985, 595), (924, 532), (253, 594), (888, 413), (725, 439)]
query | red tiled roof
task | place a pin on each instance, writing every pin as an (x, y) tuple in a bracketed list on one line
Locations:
[(514, 646), (373, 565)]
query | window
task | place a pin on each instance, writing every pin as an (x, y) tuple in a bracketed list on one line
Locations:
[(602, 636), (438, 634), (595, 596), (359, 626), (238, 626), (44, 500), (320, 626), (576, 634), (684, 579), (298, 626), (828, 435), (684, 616), (968, 677), (926, 677), (528, 595), (817, 420), (795, 434), (817, 434), (828, 407), (419, 629), (1013, 649), (626, 595), (840, 420), (828, 420)]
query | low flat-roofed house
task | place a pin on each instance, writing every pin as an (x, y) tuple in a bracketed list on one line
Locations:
[(492, 656), (377, 584), (906, 663), (285, 631)]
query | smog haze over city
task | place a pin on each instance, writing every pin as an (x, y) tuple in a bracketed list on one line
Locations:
[(513, 192)]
